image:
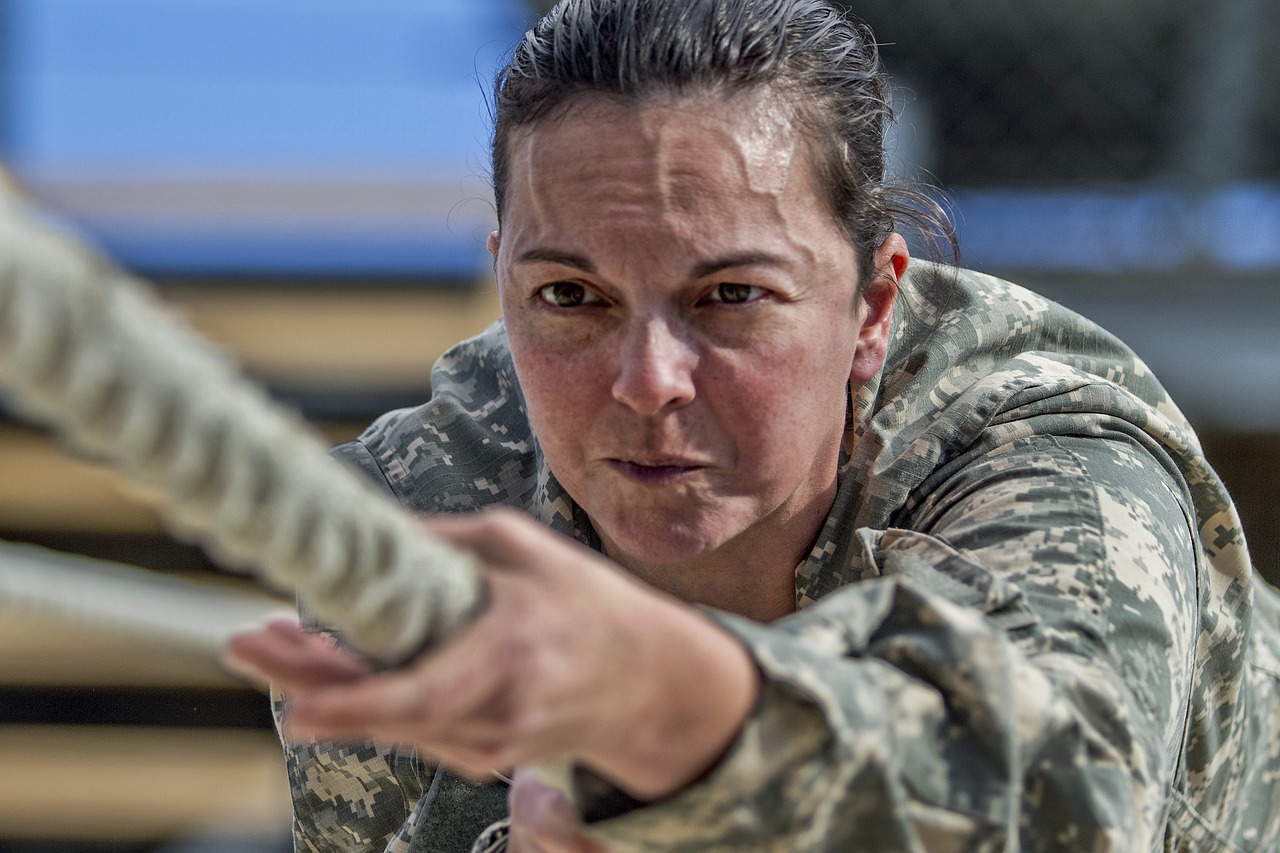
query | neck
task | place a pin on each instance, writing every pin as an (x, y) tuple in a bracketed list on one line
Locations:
[(763, 593), (751, 575)]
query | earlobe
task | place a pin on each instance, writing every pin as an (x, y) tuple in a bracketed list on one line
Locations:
[(891, 260)]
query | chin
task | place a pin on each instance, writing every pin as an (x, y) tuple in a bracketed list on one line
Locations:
[(664, 542)]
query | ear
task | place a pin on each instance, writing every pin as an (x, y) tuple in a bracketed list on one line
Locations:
[(876, 308), (492, 244)]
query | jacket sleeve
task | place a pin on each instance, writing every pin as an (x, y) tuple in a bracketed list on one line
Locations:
[(348, 796), (1013, 675)]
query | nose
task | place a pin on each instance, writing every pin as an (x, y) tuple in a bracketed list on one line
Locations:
[(655, 369)]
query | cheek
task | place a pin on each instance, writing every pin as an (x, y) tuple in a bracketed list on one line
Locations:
[(782, 399), (561, 386)]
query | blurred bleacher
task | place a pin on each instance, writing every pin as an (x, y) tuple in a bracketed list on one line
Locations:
[(305, 180)]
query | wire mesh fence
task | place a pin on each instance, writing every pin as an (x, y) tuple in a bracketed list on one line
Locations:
[(1045, 92)]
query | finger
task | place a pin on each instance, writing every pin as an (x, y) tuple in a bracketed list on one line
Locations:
[(421, 704), (543, 819), (382, 713), (476, 766), (292, 657), (540, 815)]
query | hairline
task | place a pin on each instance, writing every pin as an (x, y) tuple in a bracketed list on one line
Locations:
[(807, 122)]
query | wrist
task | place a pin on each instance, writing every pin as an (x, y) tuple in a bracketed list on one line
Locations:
[(692, 701)]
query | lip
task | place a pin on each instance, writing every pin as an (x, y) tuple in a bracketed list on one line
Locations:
[(655, 471)]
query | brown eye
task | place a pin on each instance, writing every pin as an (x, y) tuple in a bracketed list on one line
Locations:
[(566, 294), (737, 294)]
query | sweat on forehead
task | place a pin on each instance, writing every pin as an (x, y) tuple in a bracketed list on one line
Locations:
[(675, 133)]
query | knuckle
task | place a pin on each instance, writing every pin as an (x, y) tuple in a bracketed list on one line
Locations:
[(524, 725)]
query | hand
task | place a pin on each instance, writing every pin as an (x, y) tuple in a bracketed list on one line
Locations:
[(543, 821), (572, 660)]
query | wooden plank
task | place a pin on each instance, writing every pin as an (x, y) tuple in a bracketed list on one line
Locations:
[(372, 338), (45, 488), (132, 785)]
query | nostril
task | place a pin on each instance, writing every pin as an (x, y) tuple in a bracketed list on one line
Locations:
[(648, 388), (655, 371)]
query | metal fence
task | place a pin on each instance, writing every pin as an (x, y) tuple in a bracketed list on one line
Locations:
[(1046, 92)]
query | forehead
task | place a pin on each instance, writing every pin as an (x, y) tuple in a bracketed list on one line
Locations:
[(735, 157)]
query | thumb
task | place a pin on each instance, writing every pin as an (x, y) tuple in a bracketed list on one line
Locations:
[(543, 815)]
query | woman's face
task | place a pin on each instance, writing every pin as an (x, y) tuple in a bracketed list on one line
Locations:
[(685, 316)]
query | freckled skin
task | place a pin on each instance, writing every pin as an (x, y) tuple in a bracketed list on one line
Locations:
[(684, 316)]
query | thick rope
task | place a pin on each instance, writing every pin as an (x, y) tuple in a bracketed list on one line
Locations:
[(183, 615), (88, 350)]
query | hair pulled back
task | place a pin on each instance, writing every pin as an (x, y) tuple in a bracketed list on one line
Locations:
[(826, 67)]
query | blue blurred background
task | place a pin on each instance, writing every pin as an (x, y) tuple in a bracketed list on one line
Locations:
[(318, 136), (239, 136)]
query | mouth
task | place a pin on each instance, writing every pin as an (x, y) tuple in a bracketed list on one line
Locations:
[(655, 472)]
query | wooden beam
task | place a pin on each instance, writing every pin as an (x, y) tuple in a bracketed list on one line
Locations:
[(131, 785), (379, 338)]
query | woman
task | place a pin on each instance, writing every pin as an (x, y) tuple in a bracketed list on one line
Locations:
[(1033, 620)]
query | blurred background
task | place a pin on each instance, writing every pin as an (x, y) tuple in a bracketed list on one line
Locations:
[(306, 181)]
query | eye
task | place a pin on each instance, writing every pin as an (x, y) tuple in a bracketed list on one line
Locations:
[(566, 294), (736, 294)]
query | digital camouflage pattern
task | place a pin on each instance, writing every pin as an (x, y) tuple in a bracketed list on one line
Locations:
[(1030, 621)]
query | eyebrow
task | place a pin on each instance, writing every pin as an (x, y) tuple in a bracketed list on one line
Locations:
[(744, 259), (556, 256), (700, 270)]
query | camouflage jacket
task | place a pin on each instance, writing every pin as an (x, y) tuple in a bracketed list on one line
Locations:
[(1030, 621)]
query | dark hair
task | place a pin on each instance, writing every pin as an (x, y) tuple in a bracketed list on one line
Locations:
[(825, 65)]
